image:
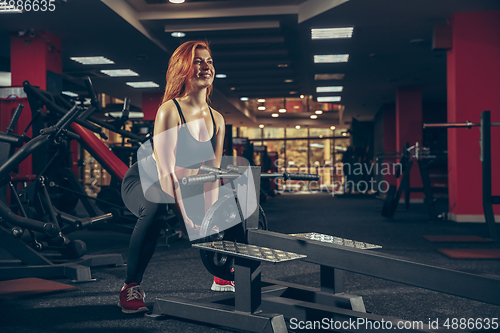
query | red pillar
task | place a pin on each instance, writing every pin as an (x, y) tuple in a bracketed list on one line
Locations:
[(389, 121), (409, 126), (30, 59), (150, 104), (473, 86)]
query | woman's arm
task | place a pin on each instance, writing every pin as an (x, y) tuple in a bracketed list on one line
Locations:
[(166, 127), (212, 189)]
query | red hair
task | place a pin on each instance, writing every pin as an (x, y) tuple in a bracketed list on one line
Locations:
[(180, 67)]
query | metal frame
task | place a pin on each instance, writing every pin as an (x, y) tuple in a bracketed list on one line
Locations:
[(304, 303)]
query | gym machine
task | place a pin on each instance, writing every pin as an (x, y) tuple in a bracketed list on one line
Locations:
[(262, 305), (39, 217), (393, 195), (485, 143)]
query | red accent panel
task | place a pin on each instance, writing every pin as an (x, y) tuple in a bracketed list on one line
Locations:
[(101, 152), (389, 120), (473, 74), (30, 58), (150, 104), (409, 126)]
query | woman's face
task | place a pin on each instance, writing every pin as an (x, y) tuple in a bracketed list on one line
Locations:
[(203, 69)]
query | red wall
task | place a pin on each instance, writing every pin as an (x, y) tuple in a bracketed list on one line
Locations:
[(150, 104), (473, 66)]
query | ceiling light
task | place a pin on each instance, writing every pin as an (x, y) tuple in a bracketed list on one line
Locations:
[(232, 88), (288, 80), (282, 65), (329, 89), (328, 33), (261, 100), (293, 92), (220, 76), (99, 60), (131, 114), (313, 116), (318, 112), (282, 110), (329, 99), (144, 84), (119, 72), (243, 99), (301, 96), (262, 108), (176, 1), (330, 58), (275, 115), (178, 34), (332, 127), (261, 126), (69, 93), (297, 127), (337, 76)]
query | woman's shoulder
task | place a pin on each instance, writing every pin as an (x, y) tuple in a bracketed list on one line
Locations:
[(167, 114), (219, 119)]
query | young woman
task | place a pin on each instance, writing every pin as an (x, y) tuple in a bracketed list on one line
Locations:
[(187, 132)]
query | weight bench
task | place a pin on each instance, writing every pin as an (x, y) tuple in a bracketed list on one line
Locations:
[(241, 311)]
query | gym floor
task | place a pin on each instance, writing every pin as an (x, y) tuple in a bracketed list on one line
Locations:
[(176, 270)]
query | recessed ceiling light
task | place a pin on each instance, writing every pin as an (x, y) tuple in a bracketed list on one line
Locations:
[(328, 33), (282, 65), (243, 99), (262, 108), (261, 100), (329, 89), (330, 58), (176, 1), (232, 88), (288, 80), (282, 110), (336, 76), (313, 116), (293, 92), (297, 127), (261, 126), (70, 93), (119, 72), (275, 115), (220, 76), (318, 112), (178, 34), (145, 84), (329, 99), (332, 127), (99, 60)]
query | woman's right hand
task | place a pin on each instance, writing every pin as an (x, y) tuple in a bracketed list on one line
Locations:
[(190, 225)]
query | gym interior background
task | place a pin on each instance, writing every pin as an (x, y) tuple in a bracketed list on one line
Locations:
[(339, 88)]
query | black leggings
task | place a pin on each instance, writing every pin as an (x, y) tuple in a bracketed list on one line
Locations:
[(148, 226)]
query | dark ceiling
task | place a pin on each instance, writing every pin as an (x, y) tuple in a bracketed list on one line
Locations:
[(258, 45)]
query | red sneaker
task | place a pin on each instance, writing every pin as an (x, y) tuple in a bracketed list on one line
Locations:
[(222, 285), (132, 299)]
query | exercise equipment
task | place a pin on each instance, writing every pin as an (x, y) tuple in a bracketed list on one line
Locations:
[(422, 157), (40, 218), (485, 143), (247, 311)]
